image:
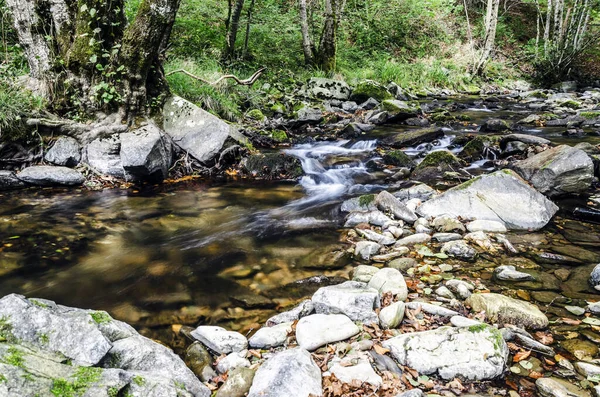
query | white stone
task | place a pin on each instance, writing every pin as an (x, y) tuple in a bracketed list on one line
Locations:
[(232, 361), (391, 316), (418, 238), (219, 339), (318, 330), (366, 249), (390, 280), (268, 337), (486, 226), (354, 299)]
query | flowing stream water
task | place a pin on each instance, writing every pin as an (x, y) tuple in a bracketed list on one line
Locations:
[(212, 252)]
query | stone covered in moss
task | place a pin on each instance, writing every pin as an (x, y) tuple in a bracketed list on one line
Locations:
[(278, 107), (399, 158), (279, 135), (475, 149), (495, 125), (370, 89), (440, 158), (399, 110), (272, 166), (255, 114)]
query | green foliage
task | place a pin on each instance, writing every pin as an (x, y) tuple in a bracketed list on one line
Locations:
[(366, 199), (16, 105), (5, 329), (101, 317), (14, 357), (84, 377)]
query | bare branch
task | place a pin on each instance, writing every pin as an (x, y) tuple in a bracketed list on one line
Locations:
[(248, 81)]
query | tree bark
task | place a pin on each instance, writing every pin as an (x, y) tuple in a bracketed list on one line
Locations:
[(248, 22), (307, 46), (327, 45), (491, 23), (234, 24)]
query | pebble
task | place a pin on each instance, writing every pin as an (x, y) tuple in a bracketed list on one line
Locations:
[(391, 316), (431, 309), (390, 280), (232, 361), (318, 330), (268, 337), (418, 238), (219, 339), (460, 321), (510, 273)]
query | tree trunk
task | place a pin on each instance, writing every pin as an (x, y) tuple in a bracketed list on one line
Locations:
[(248, 22), (232, 30), (86, 57), (307, 46), (327, 45), (491, 22)]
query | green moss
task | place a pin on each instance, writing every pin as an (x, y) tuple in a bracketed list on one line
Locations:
[(467, 183), (44, 339), (14, 357), (101, 317), (571, 104), (38, 303), (475, 147), (62, 388), (5, 329), (2, 378), (278, 108), (370, 89), (496, 335), (398, 157), (84, 378), (256, 114), (279, 135), (439, 158), (478, 328), (590, 115), (113, 391), (138, 380), (366, 199), (471, 89)]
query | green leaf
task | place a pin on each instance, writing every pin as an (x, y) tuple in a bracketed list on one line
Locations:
[(93, 59), (120, 68), (591, 321), (99, 67), (83, 8), (92, 11)]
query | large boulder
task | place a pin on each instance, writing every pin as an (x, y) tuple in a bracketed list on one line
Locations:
[(370, 89), (435, 165), (196, 131), (289, 373), (104, 155), (473, 353), (322, 88), (558, 171), (399, 110), (413, 137), (506, 310), (83, 352), (146, 153), (318, 330), (47, 175), (66, 151), (501, 196)]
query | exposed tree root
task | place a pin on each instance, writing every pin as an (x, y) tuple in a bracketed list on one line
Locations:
[(248, 81), (84, 133)]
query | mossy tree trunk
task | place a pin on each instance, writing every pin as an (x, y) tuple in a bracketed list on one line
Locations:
[(233, 26), (87, 59)]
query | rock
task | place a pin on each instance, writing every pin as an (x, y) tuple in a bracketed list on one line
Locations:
[(417, 238), (444, 292), (47, 175), (9, 180), (402, 264), (375, 218), (412, 393), (386, 202), (430, 308), (369, 104), (594, 307), (289, 373), (448, 224), (146, 153), (419, 191), (460, 321), (360, 370), (66, 151), (582, 349), (459, 249), (479, 147), (501, 196), (369, 89), (396, 253), (391, 316), (505, 310), (587, 369), (321, 88), (413, 137), (238, 383), (510, 273), (558, 171), (378, 118), (363, 273), (272, 166), (523, 138), (445, 237), (388, 280), (495, 125), (435, 164), (308, 115), (556, 387), (196, 131), (268, 337), (104, 155), (232, 361), (460, 288), (318, 330), (219, 339), (486, 226), (398, 158), (199, 360), (473, 353), (252, 301), (303, 309), (594, 279), (355, 300), (364, 203), (379, 238), (366, 249), (399, 110)]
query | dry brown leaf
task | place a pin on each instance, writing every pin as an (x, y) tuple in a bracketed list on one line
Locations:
[(380, 349), (521, 356)]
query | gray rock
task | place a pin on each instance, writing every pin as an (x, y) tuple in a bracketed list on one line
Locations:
[(268, 337), (420, 191), (413, 137), (448, 224), (430, 308), (232, 361), (526, 341), (444, 292), (445, 237), (355, 300), (412, 393), (104, 155), (219, 339), (587, 369), (486, 226), (375, 218), (473, 353), (460, 321), (495, 125), (47, 175), (386, 202), (366, 249), (199, 360), (289, 373), (556, 387), (402, 264), (376, 237), (594, 307), (303, 309), (238, 383), (146, 153), (510, 273), (71, 332), (350, 106), (459, 249), (524, 138), (363, 273), (360, 370), (391, 316), (595, 277), (505, 310), (9, 180), (318, 330), (322, 88), (396, 253), (501, 196), (66, 151), (370, 103), (196, 131), (354, 205), (418, 238), (557, 171), (378, 118), (388, 280)]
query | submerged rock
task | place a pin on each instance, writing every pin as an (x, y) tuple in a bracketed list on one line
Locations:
[(558, 171), (505, 310), (501, 196), (473, 353), (289, 373), (459, 249), (47, 175), (556, 387), (272, 166)]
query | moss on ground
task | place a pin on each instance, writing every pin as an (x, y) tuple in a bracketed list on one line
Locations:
[(366, 199), (101, 317), (439, 158)]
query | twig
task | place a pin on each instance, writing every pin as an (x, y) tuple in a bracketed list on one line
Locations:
[(249, 81)]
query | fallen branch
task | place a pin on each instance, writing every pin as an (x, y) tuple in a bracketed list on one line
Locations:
[(248, 81)]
